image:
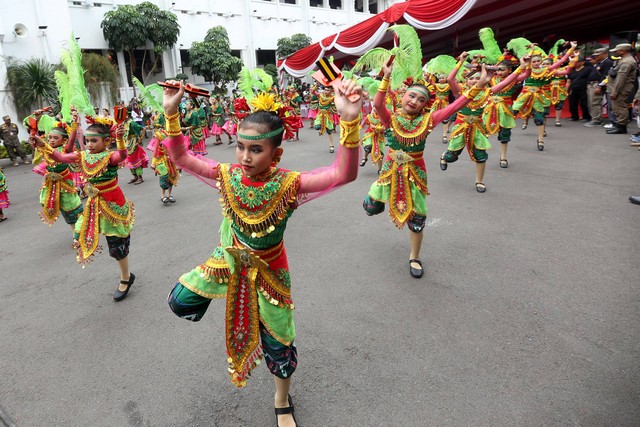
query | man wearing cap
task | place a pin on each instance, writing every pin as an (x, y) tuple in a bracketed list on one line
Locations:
[(9, 136), (621, 81), (597, 86)]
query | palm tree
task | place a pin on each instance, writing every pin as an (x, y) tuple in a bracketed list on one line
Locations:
[(32, 84)]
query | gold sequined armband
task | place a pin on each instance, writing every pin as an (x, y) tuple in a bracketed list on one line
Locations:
[(173, 124), (518, 71), (74, 126), (350, 133), (384, 85), (120, 144), (471, 93)]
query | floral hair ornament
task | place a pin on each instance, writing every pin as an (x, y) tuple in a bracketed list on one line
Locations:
[(267, 102)]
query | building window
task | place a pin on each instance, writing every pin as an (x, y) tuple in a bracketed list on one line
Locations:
[(288, 1), (359, 5), (316, 3), (335, 4), (236, 53), (265, 56), (373, 6)]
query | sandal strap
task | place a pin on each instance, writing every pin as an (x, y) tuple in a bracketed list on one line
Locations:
[(284, 411), (417, 261)]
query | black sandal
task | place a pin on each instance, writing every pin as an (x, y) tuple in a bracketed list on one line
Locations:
[(480, 187), (284, 411), (331, 149), (363, 162), (416, 273), (540, 145), (504, 163), (120, 295), (443, 163)]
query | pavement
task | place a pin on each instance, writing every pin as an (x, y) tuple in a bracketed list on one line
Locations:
[(527, 315)]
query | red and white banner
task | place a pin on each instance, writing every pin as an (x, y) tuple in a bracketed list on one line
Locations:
[(421, 14)]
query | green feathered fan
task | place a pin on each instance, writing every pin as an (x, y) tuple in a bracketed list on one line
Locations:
[(522, 47), (64, 94), (408, 56), (491, 51), (150, 96), (554, 50), (442, 64), (369, 85), (72, 60), (252, 81)]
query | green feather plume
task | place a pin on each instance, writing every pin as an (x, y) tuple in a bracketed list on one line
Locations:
[(491, 48), (408, 56), (64, 95), (519, 46), (72, 60), (369, 85), (46, 123), (150, 96), (245, 83), (262, 79), (554, 50), (443, 64)]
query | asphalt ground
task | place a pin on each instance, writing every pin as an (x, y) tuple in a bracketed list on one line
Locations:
[(527, 315)]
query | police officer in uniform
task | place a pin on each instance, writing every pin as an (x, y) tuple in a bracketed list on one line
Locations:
[(9, 136), (597, 86), (621, 81)]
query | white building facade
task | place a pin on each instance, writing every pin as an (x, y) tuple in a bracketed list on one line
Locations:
[(41, 28)]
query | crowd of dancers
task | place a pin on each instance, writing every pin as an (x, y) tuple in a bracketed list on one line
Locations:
[(475, 96)]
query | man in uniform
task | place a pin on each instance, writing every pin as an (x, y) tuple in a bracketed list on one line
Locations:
[(621, 80), (597, 85), (9, 136)]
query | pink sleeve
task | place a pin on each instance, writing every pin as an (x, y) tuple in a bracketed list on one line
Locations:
[(202, 168), (439, 115), (380, 102), (454, 86), (59, 157), (117, 157), (322, 180)]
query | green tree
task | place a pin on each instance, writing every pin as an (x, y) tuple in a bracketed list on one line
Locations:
[(32, 84), (99, 69), (289, 45), (129, 27), (212, 58), (272, 70)]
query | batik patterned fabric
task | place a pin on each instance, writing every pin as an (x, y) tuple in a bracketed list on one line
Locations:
[(403, 178), (163, 165), (196, 137), (249, 268), (106, 211), (136, 156)]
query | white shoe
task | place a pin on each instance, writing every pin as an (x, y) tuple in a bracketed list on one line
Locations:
[(608, 126)]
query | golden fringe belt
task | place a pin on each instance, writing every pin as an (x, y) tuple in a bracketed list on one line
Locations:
[(491, 114), (400, 175), (96, 207), (254, 273), (531, 94), (467, 126), (53, 184)]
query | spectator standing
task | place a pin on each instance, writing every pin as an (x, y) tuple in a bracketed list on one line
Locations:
[(9, 137), (577, 85), (597, 86), (622, 78)]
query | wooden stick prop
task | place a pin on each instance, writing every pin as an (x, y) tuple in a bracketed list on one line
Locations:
[(192, 90), (329, 75)]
